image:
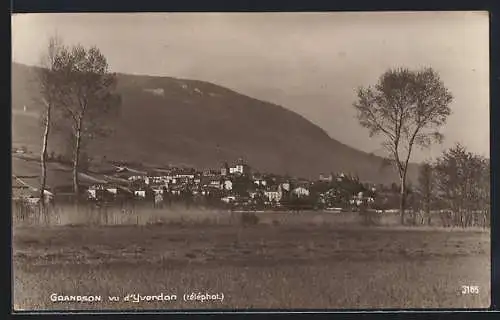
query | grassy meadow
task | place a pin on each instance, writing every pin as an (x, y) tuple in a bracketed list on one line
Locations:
[(305, 260)]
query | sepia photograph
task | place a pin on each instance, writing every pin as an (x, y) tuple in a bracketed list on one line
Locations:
[(250, 161)]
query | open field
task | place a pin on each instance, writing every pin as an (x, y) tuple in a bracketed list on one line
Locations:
[(286, 264)]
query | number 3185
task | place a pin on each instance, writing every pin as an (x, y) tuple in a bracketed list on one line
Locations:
[(470, 289)]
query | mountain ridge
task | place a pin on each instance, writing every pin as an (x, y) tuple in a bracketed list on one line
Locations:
[(192, 122)]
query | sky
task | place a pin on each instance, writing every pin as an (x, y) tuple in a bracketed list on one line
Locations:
[(310, 63)]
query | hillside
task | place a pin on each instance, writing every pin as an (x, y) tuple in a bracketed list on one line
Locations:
[(165, 120)]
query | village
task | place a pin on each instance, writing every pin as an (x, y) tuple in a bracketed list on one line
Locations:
[(231, 186)]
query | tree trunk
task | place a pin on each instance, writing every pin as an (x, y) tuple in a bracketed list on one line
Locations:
[(402, 201), (44, 157), (76, 159)]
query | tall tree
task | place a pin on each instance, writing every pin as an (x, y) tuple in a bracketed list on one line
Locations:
[(406, 108), (48, 81), (88, 98)]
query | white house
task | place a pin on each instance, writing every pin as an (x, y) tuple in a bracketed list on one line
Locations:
[(273, 195), (301, 192), (156, 179), (240, 167), (215, 183), (135, 178), (140, 193), (232, 170)]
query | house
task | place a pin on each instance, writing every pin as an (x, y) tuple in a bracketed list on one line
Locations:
[(96, 192), (301, 191), (140, 193), (212, 182), (240, 168), (136, 178), (273, 194), (215, 183), (155, 179)]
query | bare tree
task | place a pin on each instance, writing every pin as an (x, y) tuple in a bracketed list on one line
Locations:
[(87, 99), (47, 80), (406, 108)]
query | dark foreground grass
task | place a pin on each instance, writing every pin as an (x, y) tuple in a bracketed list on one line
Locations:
[(254, 267)]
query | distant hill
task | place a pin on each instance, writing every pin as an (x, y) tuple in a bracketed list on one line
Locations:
[(173, 121)]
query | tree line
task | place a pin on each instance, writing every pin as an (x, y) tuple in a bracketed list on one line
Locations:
[(458, 184)]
